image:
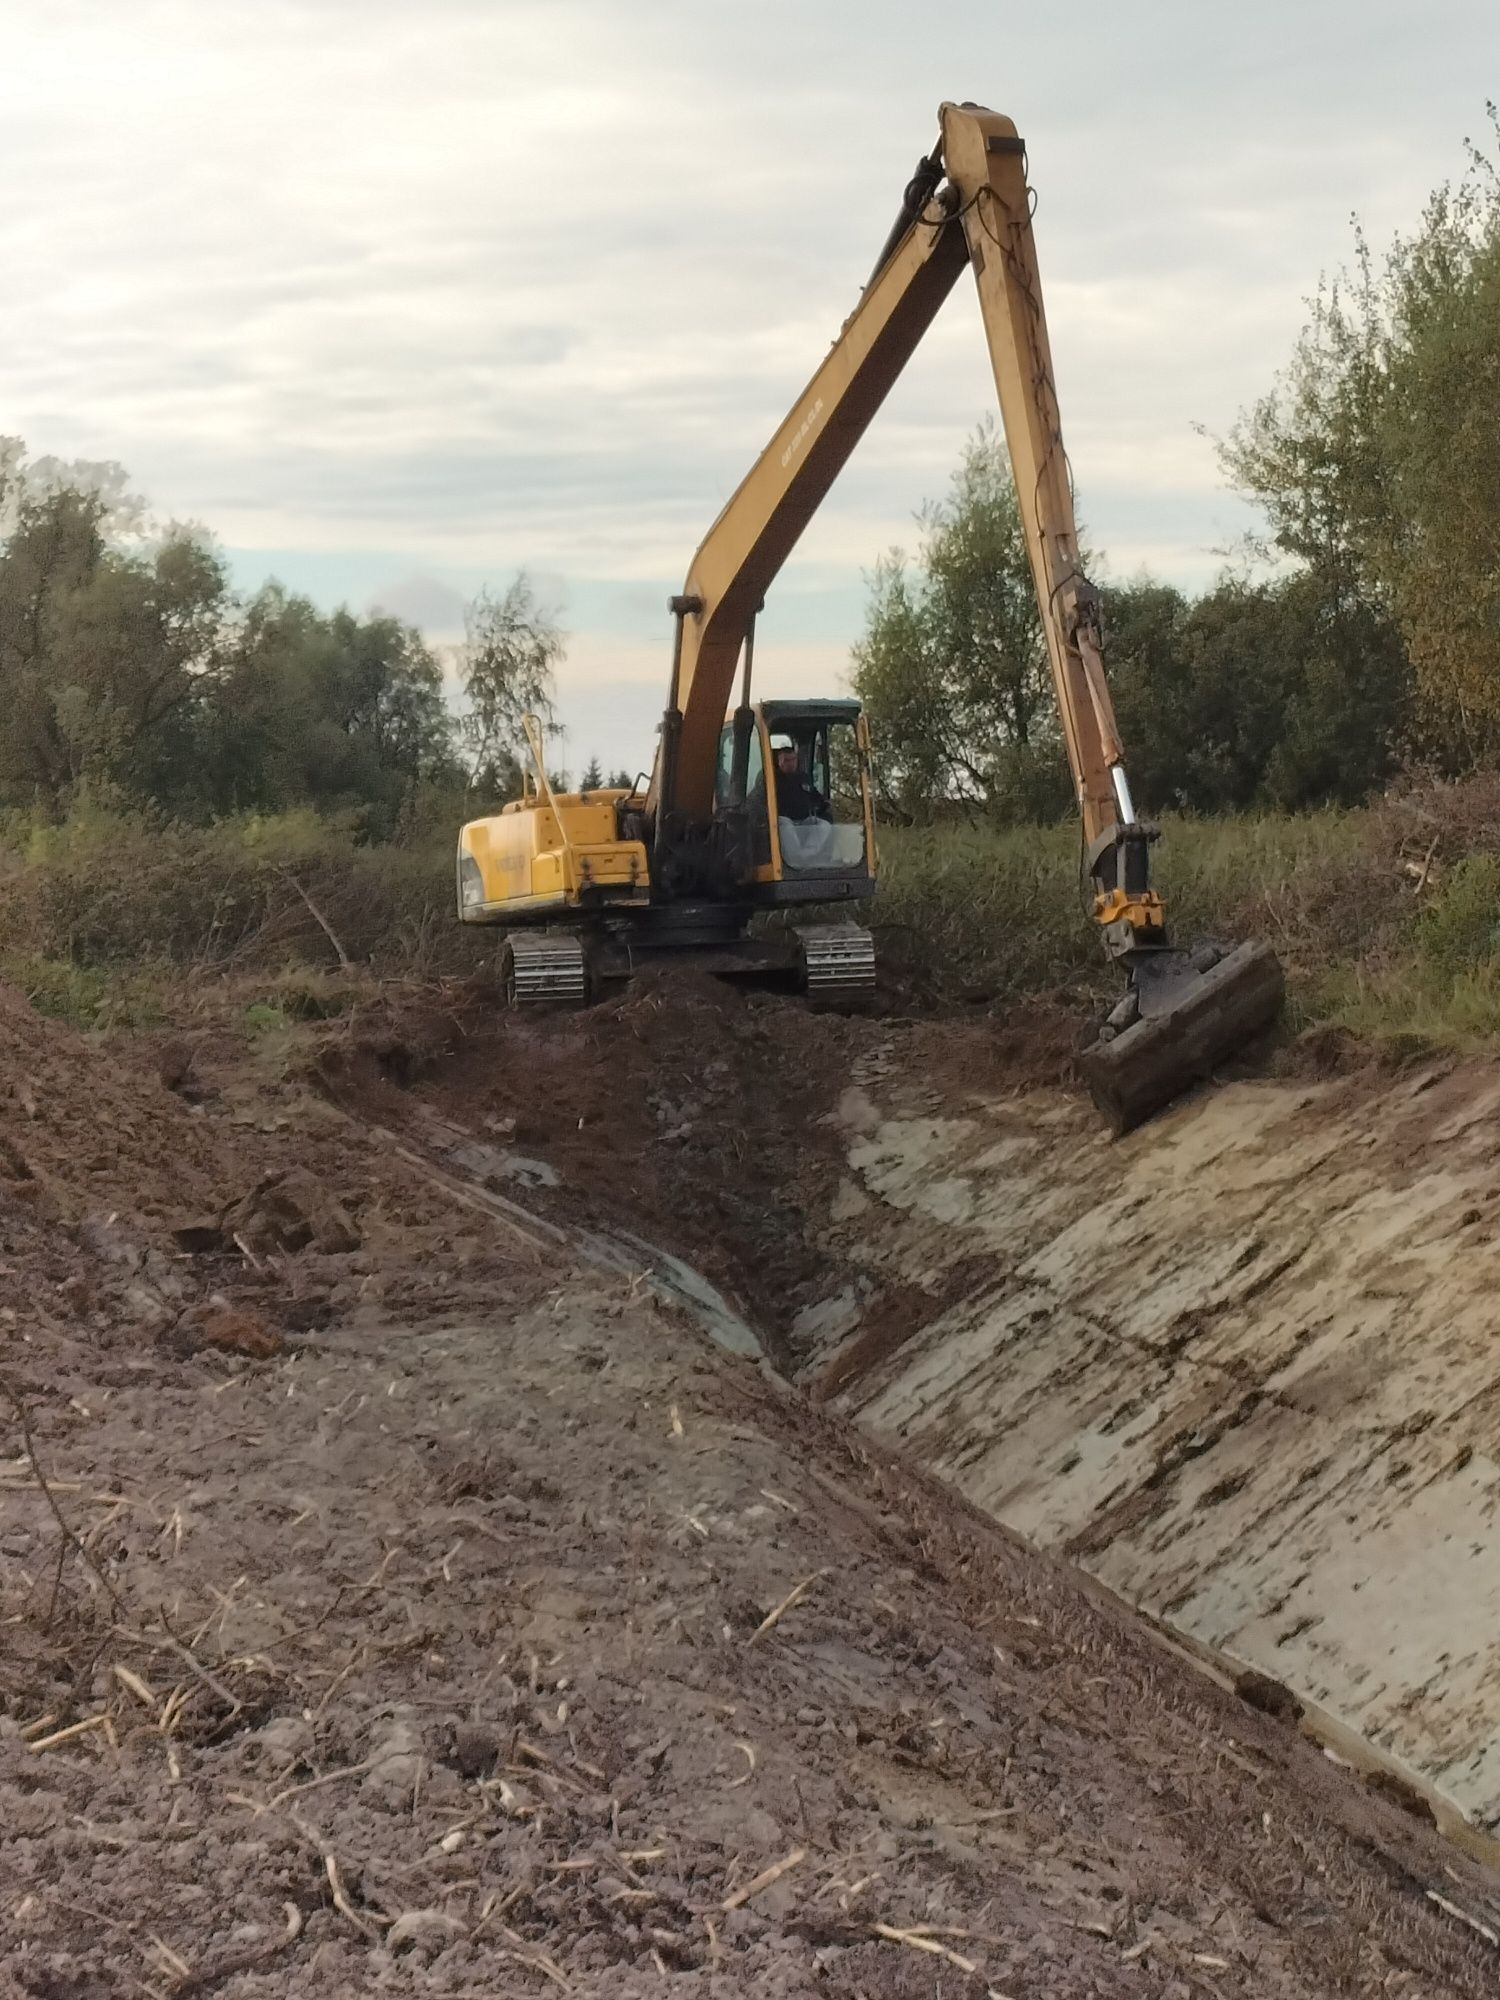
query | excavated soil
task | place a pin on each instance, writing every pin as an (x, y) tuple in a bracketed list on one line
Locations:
[(400, 1594), (698, 1114)]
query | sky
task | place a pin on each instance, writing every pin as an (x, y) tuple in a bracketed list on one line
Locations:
[(399, 299)]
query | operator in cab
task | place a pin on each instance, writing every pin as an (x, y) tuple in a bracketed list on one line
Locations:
[(797, 799)]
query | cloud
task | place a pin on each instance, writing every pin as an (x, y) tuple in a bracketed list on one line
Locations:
[(610, 697), (421, 600), (418, 296)]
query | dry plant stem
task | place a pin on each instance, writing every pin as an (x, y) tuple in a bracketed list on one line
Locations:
[(340, 1898), (1452, 1910), (48, 1495), (190, 1660), (794, 1596), (90, 1722), (312, 1784), (764, 1879), (746, 1750), (244, 1961), (318, 917), (919, 1941)]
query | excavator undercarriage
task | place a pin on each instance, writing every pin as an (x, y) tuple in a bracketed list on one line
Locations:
[(832, 964)]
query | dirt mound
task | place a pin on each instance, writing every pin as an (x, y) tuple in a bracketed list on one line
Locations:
[(143, 1178), (396, 1600), (81, 1117)]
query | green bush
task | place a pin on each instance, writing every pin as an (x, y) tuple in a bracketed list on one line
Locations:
[(84, 996), (262, 1018), (1460, 931), (110, 888)]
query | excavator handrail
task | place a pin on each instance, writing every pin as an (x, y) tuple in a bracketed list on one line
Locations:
[(536, 744)]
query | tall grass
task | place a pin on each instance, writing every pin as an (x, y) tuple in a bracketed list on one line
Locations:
[(112, 889), (1387, 919), (975, 908), (104, 915), (1005, 910)]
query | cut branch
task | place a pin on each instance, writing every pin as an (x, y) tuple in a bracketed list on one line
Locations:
[(318, 917)]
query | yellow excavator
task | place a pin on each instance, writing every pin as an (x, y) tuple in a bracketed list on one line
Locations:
[(769, 806)]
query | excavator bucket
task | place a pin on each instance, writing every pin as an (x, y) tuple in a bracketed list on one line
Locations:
[(1194, 1014)]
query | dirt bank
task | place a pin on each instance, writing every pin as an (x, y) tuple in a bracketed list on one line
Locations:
[(703, 1116), (1240, 1366), (502, 1633)]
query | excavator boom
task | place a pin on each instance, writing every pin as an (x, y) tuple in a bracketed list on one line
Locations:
[(745, 548)]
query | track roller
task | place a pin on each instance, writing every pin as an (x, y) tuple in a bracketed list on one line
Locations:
[(838, 963), (545, 969)]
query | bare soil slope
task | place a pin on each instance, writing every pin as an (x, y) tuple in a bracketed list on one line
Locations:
[(414, 1607)]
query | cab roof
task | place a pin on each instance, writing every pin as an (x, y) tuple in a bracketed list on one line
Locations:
[(831, 710)]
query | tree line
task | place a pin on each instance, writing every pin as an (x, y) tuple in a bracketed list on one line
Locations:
[(1358, 636), (130, 669)]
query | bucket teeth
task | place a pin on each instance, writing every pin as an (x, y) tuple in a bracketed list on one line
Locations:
[(1190, 1022)]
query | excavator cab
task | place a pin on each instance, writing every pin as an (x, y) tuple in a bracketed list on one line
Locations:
[(792, 795)]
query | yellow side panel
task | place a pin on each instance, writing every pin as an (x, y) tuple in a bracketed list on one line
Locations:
[(531, 858), (505, 848)]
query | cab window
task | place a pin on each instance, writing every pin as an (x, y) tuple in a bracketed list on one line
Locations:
[(825, 831), (758, 825)]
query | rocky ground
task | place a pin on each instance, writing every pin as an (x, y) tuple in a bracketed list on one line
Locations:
[(399, 1595)]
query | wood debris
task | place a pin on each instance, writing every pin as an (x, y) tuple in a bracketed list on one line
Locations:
[(764, 1879)]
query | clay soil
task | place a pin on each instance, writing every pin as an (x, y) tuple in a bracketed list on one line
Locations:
[(395, 1600)]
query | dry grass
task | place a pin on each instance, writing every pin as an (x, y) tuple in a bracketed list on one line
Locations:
[(107, 920), (114, 892), (1003, 910), (1386, 918)]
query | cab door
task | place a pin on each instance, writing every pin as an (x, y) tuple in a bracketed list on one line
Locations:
[(748, 824)]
